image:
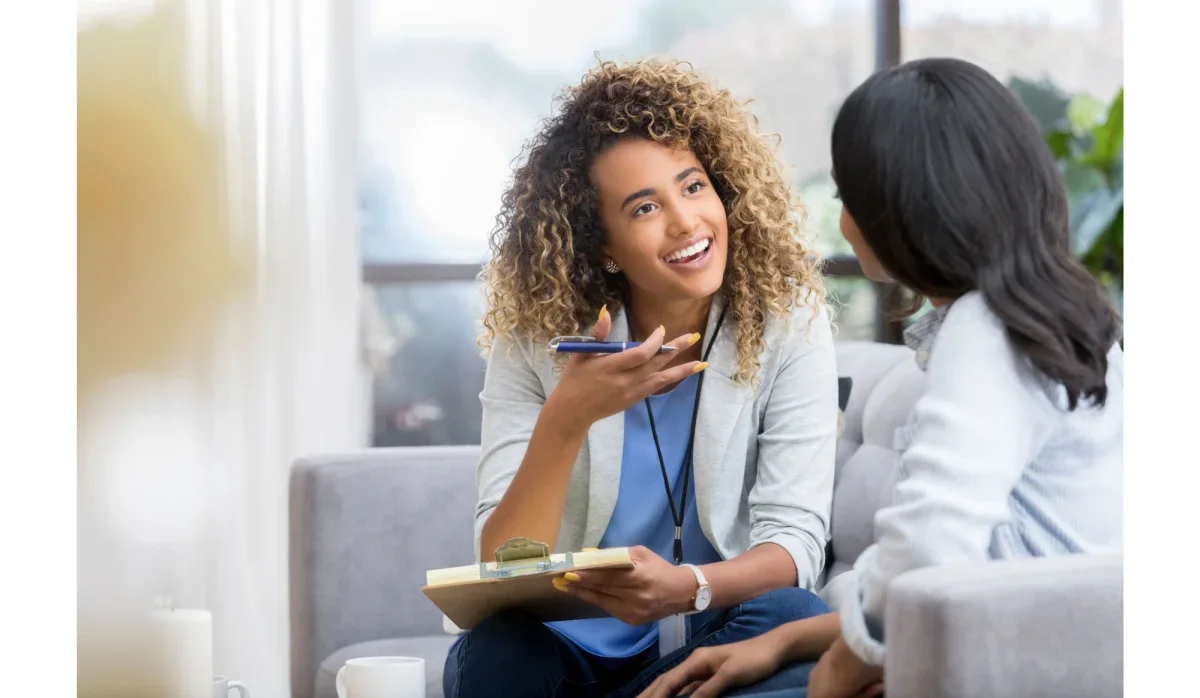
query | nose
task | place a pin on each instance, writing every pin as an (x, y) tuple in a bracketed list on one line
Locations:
[(681, 221)]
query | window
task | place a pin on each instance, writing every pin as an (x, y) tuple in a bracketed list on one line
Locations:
[(1073, 44), (452, 90)]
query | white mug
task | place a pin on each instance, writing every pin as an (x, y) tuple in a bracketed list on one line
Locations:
[(382, 677), (222, 686)]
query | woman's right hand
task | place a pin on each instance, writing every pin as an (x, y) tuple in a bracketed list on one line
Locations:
[(594, 387)]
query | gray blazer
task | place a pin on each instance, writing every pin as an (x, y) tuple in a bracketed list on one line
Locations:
[(764, 452)]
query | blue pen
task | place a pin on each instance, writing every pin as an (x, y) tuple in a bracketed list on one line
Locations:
[(590, 345)]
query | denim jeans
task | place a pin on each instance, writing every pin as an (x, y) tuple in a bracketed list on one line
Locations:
[(513, 654)]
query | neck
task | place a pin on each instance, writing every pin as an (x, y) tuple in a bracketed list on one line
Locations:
[(678, 317)]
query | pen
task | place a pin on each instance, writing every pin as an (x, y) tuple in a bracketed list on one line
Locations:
[(594, 347)]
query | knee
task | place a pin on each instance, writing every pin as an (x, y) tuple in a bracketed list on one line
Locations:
[(490, 649), (786, 605)]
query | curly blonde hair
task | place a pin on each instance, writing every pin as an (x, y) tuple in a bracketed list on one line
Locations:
[(545, 278)]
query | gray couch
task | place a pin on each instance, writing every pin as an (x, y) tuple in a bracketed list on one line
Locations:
[(365, 527)]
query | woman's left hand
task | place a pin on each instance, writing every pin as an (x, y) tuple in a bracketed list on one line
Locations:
[(651, 591), (841, 674)]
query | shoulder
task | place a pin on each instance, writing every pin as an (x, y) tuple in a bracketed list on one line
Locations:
[(804, 334), (805, 326), (512, 355), (972, 350)]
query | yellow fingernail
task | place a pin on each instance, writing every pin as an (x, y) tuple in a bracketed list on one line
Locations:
[(590, 550), (693, 339), (603, 311), (560, 584), (662, 329), (700, 367), (571, 577)]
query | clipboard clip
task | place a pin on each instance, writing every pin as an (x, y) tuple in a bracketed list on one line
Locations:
[(521, 556)]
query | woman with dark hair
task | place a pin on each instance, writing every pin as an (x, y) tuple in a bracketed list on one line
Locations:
[(1015, 447), (651, 208)]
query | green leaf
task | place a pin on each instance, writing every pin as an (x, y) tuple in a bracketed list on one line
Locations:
[(1109, 137), (1060, 144), (1093, 216), (1043, 100), (1083, 112), (1106, 257)]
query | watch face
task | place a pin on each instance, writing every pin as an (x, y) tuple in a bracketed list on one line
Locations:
[(703, 598)]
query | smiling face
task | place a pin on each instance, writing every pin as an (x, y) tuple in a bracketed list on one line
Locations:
[(665, 224)]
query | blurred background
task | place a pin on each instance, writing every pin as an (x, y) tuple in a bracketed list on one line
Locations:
[(467, 83), (284, 206)]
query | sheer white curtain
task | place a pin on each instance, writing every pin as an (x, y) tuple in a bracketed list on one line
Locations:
[(185, 456), (276, 79)]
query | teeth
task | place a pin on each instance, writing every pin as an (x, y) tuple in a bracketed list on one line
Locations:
[(687, 251)]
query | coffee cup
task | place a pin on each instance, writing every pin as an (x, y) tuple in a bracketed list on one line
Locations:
[(222, 685), (382, 677)]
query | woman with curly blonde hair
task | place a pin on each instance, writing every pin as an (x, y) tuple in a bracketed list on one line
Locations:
[(651, 207)]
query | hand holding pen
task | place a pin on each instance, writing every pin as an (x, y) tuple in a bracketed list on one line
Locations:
[(594, 386)]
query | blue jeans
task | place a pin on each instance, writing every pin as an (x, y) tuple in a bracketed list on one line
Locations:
[(513, 654)]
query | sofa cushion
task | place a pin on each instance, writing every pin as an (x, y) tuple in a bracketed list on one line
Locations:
[(864, 486), (887, 382), (431, 648)]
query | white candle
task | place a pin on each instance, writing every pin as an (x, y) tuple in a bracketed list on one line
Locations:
[(181, 652)]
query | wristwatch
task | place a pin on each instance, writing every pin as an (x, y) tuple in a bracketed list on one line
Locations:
[(703, 595)]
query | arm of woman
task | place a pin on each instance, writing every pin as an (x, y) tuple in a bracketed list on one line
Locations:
[(789, 503), (792, 496), (524, 454), (973, 431), (529, 442)]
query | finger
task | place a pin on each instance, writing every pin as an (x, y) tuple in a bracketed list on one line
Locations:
[(680, 344), (714, 687), (603, 324), (669, 376), (601, 580), (609, 603), (690, 688), (632, 358), (873, 691), (688, 674)]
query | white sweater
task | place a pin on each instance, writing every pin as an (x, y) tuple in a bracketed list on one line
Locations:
[(993, 466)]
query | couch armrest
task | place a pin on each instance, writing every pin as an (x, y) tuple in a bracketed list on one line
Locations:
[(364, 529), (1038, 627)]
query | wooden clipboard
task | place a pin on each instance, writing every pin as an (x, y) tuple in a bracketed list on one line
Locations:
[(521, 577)]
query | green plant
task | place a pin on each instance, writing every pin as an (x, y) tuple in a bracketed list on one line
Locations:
[(1087, 137)]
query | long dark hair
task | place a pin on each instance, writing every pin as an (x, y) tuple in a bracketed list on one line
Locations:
[(954, 190)]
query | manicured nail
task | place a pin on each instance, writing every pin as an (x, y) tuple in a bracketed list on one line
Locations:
[(661, 329), (590, 550), (571, 577), (700, 367), (693, 339), (559, 584)]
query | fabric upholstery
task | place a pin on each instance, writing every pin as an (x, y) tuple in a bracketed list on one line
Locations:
[(1033, 627), (364, 529), (365, 526)]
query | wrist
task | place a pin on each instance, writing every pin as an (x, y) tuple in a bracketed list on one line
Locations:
[(685, 587), (561, 421)]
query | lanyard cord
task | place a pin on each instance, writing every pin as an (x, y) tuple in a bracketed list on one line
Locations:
[(677, 514)]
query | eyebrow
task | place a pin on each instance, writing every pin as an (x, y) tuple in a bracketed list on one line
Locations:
[(648, 191)]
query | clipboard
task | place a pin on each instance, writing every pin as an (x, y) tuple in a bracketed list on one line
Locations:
[(521, 577)]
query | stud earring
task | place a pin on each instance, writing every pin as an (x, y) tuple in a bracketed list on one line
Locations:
[(611, 267)]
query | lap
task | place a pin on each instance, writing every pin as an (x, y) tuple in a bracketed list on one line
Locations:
[(742, 622), (551, 665)]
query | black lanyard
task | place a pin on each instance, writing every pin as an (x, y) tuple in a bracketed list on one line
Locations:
[(677, 514)]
